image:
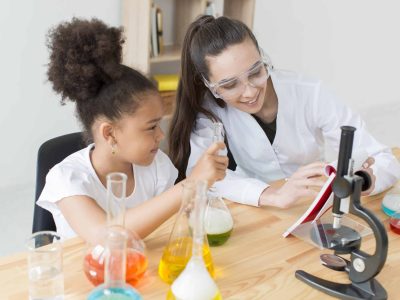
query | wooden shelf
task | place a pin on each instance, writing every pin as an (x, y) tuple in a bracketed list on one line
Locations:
[(137, 27), (171, 53), (168, 98)]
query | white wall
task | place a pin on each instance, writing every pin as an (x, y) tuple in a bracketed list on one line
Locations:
[(30, 112), (352, 45)]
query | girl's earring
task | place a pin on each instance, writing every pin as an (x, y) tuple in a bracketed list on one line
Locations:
[(113, 149)]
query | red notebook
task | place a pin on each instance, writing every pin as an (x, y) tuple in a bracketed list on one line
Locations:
[(322, 202)]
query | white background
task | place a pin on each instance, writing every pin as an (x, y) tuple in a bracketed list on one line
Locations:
[(30, 113)]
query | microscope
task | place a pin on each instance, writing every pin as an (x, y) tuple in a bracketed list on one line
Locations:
[(362, 267)]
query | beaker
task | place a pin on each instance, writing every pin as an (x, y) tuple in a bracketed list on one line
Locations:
[(178, 250), (391, 201), (394, 222), (195, 282), (218, 219), (115, 256), (136, 262), (391, 207)]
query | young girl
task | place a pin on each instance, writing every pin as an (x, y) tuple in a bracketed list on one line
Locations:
[(277, 123), (121, 111)]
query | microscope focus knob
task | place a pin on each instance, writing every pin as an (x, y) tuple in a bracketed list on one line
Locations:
[(341, 187)]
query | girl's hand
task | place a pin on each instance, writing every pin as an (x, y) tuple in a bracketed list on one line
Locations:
[(366, 167), (211, 166), (296, 186)]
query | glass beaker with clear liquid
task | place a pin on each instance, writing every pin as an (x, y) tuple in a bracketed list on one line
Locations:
[(195, 282), (45, 266), (178, 250), (218, 219), (136, 262), (115, 256)]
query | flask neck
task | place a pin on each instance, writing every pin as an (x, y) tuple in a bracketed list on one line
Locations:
[(116, 195), (198, 220), (115, 251)]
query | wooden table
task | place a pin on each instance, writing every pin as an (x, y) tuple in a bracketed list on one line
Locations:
[(255, 263)]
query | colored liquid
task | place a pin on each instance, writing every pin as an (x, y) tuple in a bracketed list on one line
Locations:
[(395, 225), (170, 296), (175, 257), (218, 239), (114, 294), (218, 225), (136, 265)]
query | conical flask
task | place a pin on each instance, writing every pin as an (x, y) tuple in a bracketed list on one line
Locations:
[(178, 250), (195, 282), (115, 255), (136, 262), (218, 219)]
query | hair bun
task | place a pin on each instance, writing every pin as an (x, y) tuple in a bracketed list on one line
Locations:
[(84, 56)]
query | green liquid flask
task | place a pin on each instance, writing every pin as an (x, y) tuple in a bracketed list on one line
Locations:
[(195, 282), (218, 219)]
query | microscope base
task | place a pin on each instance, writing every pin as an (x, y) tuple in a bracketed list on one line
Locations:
[(371, 289)]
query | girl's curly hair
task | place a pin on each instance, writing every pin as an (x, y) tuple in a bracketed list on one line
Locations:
[(85, 68)]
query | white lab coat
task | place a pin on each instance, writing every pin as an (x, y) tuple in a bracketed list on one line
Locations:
[(309, 118)]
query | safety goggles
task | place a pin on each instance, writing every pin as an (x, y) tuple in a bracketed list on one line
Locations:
[(233, 88)]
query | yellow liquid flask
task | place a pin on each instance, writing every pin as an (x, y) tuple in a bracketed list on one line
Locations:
[(218, 219), (179, 248), (195, 282)]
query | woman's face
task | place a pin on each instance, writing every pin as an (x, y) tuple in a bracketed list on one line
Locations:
[(139, 135), (238, 69)]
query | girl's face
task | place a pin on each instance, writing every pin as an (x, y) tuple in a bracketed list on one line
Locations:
[(238, 68), (138, 135)]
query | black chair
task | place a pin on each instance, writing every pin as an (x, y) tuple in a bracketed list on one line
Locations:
[(51, 153)]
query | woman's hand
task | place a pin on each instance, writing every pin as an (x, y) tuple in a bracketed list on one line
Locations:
[(297, 186), (211, 166), (366, 167)]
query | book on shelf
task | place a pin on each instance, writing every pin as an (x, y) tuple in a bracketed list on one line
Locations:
[(166, 82), (153, 32), (159, 25), (156, 32)]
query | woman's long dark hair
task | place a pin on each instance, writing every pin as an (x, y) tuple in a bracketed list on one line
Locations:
[(207, 36)]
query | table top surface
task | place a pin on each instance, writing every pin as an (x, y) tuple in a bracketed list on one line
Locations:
[(255, 263)]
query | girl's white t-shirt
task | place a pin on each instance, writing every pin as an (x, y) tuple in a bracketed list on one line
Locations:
[(75, 176)]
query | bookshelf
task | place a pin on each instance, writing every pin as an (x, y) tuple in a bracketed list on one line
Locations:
[(178, 14)]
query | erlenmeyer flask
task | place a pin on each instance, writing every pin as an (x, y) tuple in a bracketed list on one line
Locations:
[(178, 250), (115, 255), (195, 282), (136, 262), (218, 219)]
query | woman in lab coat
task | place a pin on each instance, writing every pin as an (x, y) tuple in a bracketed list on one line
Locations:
[(276, 123)]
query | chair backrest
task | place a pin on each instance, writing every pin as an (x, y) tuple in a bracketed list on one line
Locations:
[(51, 153)]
